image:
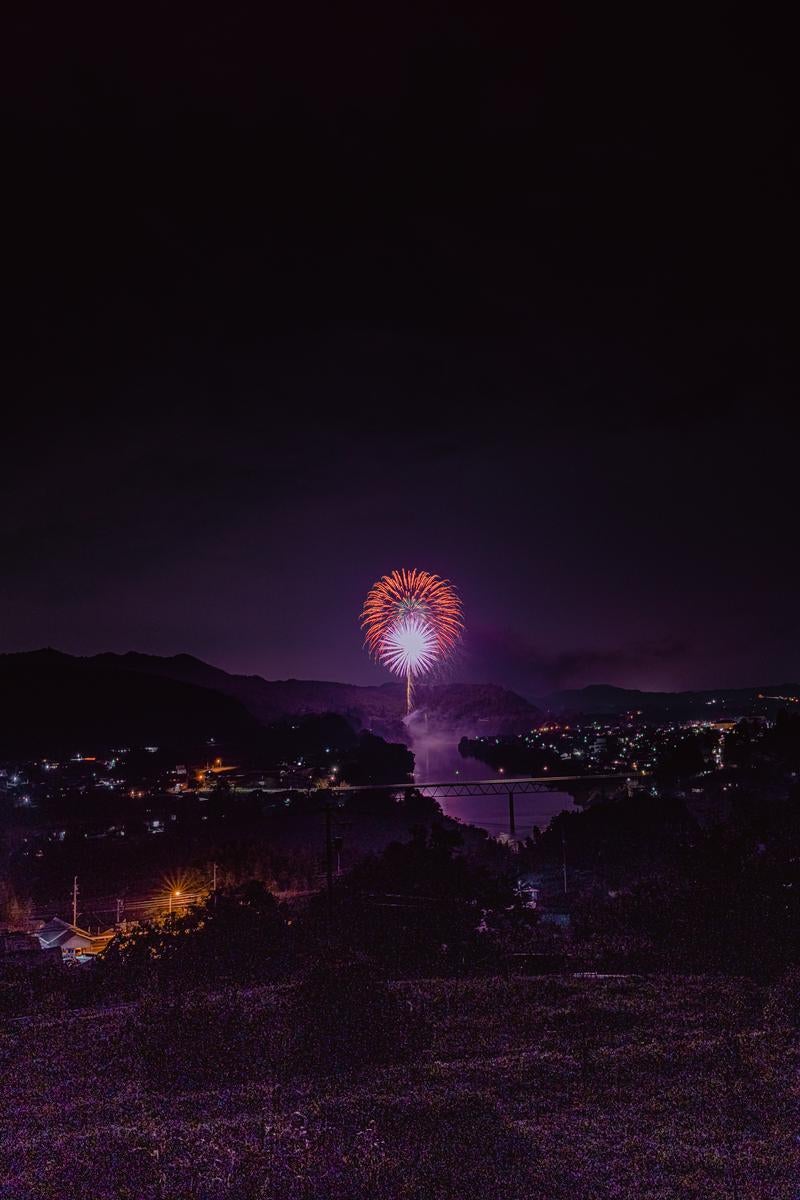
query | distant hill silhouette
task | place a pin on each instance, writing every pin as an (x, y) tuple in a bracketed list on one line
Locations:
[(270, 700), (472, 709), (602, 699), (52, 701), (462, 707)]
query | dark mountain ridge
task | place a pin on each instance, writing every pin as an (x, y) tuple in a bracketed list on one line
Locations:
[(462, 707), (269, 700), (55, 703), (602, 699), (112, 697)]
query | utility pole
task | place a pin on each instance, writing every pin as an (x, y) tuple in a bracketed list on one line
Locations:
[(75, 901), (512, 823), (119, 912), (564, 858), (214, 877)]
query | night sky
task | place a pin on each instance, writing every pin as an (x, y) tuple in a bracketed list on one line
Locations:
[(293, 300)]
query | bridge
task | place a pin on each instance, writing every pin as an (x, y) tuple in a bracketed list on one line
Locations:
[(437, 789), (499, 786)]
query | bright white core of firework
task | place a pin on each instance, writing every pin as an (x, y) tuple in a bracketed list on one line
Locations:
[(409, 648)]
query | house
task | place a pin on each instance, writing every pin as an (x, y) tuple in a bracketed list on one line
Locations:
[(74, 943), (544, 891)]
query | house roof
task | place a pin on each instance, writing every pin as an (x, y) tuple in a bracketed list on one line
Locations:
[(58, 933)]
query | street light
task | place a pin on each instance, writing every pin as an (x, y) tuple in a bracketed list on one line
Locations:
[(176, 893)]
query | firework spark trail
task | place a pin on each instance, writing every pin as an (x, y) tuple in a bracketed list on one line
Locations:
[(412, 621)]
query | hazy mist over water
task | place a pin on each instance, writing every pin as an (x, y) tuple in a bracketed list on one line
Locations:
[(437, 760)]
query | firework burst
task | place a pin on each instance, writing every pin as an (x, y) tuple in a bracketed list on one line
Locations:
[(412, 622), (409, 647)]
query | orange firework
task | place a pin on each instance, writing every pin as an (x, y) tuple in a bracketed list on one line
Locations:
[(412, 621)]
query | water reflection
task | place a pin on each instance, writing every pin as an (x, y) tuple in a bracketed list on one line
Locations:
[(437, 760)]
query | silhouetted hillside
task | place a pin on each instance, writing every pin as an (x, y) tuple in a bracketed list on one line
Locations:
[(271, 700), (54, 703), (474, 709), (52, 700), (603, 699), (461, 707)]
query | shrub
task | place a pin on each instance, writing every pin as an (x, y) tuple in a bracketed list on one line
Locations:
[(345, 1015), (782, 1008), (184, 1042), (15, 997)]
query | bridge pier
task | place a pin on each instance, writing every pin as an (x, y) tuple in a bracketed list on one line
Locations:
[(512, 823)]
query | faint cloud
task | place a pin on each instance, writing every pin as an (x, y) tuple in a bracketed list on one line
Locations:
[(508, 657)]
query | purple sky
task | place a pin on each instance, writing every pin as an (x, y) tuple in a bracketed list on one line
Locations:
[(509, 305)]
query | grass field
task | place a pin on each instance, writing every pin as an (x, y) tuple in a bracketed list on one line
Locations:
[(661, 1088)]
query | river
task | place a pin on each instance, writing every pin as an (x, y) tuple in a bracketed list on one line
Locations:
[(437, 760)]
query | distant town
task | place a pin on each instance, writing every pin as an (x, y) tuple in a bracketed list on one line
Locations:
[(106, 836)]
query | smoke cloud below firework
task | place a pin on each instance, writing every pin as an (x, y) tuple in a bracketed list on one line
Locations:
[(412, 622)]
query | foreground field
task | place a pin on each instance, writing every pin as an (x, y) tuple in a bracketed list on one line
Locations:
[(660, 1088)]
